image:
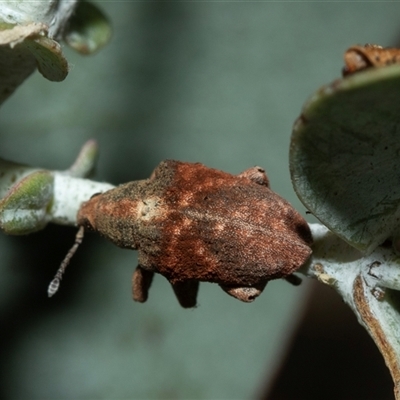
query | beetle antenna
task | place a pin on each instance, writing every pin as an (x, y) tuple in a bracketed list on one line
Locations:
[(55, 283)]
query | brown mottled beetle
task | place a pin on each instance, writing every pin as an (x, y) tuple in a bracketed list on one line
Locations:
[(191, 223), (358, 58)]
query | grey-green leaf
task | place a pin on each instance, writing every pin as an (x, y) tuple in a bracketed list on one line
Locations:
[(89, 29), (85, 162), (50, 60), (24, 209), (345, 156)]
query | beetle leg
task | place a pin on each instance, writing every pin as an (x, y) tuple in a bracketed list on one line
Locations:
[(245, 293), (186, 293), (257, 175), (293, 279), (141, 281)]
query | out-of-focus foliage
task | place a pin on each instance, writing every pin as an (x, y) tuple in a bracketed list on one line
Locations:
[(218, 83)]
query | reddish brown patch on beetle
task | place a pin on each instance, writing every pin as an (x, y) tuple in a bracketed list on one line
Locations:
[(225, 227), (191, 223), (358, 58)]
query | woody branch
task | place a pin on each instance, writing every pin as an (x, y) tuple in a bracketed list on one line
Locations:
[(369, 284)]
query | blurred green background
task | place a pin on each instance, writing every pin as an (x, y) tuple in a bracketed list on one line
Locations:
[(216, 82)]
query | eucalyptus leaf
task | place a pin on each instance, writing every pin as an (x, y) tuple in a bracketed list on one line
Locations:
[(50, 60), (344, 156), (84, 164), (89, 29), (24, 209)]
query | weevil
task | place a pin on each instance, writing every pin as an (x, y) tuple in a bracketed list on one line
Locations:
[(192, 224), (358, 58)]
